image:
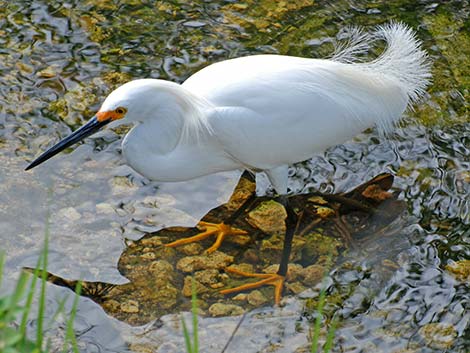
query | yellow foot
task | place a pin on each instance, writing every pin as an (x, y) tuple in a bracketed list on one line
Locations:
[(220, 230), (272, 279)]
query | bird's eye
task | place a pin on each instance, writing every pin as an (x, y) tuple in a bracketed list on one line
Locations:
[(121, 110)]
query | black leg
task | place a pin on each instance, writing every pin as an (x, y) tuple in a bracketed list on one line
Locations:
[(291, 223), (274, 279), (245, 205)]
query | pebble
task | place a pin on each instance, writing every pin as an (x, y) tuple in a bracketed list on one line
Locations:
[(188, 287), (268, 217), (256, 298), (194, 24), (130, 306), (220, 309), (70, 213), (438, 335), (216, 260)]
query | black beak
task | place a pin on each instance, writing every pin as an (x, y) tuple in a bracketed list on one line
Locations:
[(92, 126)]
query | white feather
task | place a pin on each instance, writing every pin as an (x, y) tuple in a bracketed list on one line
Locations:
[(264, 112)]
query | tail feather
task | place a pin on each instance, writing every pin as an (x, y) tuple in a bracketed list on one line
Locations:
[(356, 45), (403, 59)]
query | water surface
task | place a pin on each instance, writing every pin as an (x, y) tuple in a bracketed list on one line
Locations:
[(60, 59)]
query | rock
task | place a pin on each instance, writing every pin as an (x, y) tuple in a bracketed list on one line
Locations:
[(194, 24), (190, 249), (167, 295), (256, 298), (121, 184), (243, 190), (271, 249), (317, 200), (48, 72), (294, 271), (220, 309), (460, 270), (295, 287), (239, 239), (111, 305), (375, 192), (244, 267), (152, 241), (318, 245), (269, 217), (148, 256), (130, 306), (438, 335), (240, 297), (70, 213), (216, 260), (104, 208), (114, 79), (161, 268), (324, 212), (141, 348), (251, 256), (188, 287), (312, 275), (166, 253), (210, 277)]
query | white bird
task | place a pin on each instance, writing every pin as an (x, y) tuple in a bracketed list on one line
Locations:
[(262, 112)]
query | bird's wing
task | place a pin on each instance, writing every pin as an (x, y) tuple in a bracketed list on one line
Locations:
[(273, 110), (267, 82)]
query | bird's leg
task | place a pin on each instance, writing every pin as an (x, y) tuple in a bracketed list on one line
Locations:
[(291, 224), (220, 230), (275, 279)]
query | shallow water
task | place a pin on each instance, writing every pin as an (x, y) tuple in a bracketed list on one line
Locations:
[(58, 60)]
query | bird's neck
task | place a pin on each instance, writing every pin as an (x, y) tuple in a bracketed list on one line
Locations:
[(180, 118)]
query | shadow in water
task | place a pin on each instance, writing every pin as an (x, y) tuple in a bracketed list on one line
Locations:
[(328, 225)]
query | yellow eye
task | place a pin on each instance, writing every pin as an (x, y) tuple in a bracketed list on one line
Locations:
[(121, 110)]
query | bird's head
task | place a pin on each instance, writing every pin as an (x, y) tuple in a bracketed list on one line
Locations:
[(130, 102)]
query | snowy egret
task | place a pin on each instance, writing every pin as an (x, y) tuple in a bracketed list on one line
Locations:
[(261, 113)]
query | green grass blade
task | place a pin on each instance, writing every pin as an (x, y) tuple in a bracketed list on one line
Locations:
[(187, 338), (70, 333), (29, 299), (317, 327), (194, 313), (42, 295), (330, 337), (15, 297)]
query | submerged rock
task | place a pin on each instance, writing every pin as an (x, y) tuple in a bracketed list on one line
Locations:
[(191, 249), (188, 287), (243, 190), (130, 306), (269, 217), (216, 260), (438, 335), (211, 277), (313, 274), (70, 213), (256, 298), (271, 249), (460, 269), (220, 309), (318, 245), (162, 270)]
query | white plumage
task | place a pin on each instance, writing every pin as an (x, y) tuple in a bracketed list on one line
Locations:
[(265, 112)]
